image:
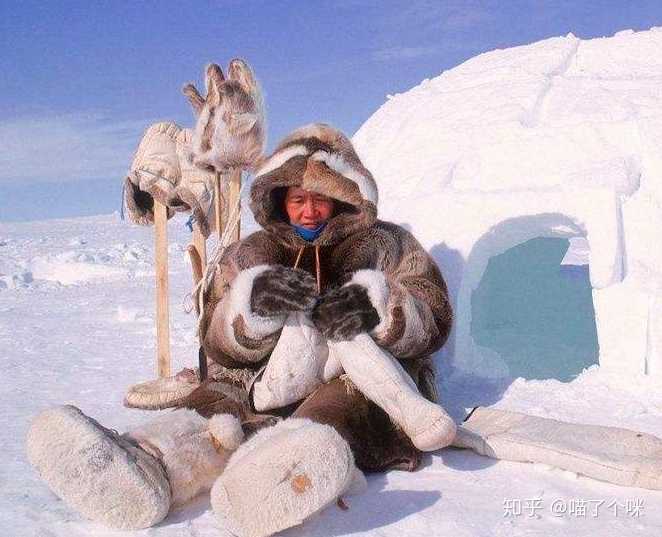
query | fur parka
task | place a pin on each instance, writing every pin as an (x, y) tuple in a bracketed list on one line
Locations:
[(404, 284)]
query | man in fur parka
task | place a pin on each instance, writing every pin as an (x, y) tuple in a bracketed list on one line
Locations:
[(327, 317), (338, 280)]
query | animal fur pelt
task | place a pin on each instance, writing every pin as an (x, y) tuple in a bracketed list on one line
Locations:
[(177, 167), (182, 440), (621, 456), (230, 130)]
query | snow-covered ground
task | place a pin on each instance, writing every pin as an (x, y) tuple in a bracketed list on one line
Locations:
[(77, 326)]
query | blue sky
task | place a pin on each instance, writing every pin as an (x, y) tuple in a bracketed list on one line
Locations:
[(81, 80)]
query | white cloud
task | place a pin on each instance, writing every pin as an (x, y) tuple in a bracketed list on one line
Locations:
[(438, 21), (66, 147), (402, 53)]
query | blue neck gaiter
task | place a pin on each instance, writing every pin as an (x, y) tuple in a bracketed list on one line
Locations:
[(309, 234)]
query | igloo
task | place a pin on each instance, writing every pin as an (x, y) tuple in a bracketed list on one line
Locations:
[(561, 138)]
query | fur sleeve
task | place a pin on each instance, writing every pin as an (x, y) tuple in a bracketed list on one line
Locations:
[(409, 293), (232, 333)]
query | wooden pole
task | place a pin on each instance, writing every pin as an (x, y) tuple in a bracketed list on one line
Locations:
[(196, 263), (234, 190), (218, 206), (162, 310), (200, 244)]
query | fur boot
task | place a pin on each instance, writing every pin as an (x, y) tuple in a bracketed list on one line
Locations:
[(129, 481), (281, 476), (303, 360), (299, 363), (98, 473), (382, 379)]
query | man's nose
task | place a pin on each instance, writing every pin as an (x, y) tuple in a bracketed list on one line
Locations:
[(309, 208)]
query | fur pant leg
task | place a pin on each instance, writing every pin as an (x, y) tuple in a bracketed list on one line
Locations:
[(281, 476), (376, 443), (182, 440)]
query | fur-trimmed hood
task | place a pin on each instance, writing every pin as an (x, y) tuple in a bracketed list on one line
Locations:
[(319, 158)]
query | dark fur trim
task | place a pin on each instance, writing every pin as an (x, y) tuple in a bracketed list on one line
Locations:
[(239, 327), (140, 204)]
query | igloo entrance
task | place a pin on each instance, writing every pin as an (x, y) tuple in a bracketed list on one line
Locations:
[(536, 312)]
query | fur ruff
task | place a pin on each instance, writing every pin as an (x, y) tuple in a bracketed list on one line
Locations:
[(226, 430), (319, 158)]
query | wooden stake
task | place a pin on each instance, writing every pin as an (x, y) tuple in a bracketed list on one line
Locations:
[(200, 244), (234, 191), (218, 206), (196, 263), (162, 310)]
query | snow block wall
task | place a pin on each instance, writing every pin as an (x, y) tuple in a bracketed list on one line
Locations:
[(561, 138)]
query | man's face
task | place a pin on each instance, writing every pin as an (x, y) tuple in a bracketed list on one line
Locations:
[(307, 209)]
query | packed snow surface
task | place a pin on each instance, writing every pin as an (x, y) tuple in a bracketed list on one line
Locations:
[(67, 337), (77, 296)]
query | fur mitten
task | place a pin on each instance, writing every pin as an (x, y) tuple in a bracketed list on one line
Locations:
[(230, 128), (345, 312), (281, 476), (154, 174), (280, 290)]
